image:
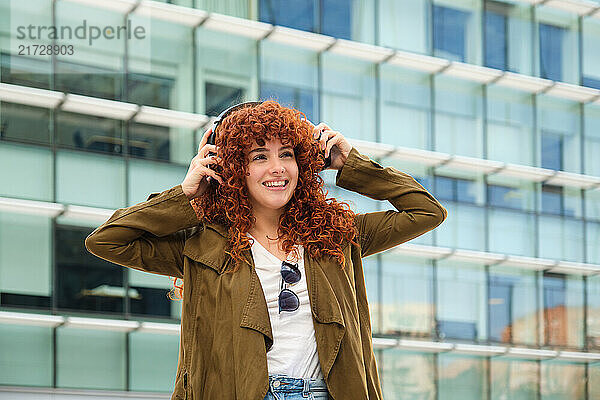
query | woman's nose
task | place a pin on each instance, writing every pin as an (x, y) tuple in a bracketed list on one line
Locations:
[(277, 166)]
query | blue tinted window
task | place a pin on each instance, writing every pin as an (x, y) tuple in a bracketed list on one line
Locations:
[(591, 82), (552, 199), (336, 18), (300, 99), (457, 330), (500, 308), (297, 14), (449, 31), (495, 40), (502, 196), (551, 38), (454, 189), (551, 151), (464, 191), (220, 97), (444, 188)]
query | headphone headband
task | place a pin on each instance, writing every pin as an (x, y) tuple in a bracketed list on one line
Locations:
[(213, 135)]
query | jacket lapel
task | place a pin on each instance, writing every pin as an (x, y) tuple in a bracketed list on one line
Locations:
[(327, 314)]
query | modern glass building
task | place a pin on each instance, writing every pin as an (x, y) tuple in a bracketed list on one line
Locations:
[(494, 106)]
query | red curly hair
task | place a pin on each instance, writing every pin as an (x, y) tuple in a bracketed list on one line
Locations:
[(321, 225)]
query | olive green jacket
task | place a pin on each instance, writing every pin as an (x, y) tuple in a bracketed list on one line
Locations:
[(225, 327)]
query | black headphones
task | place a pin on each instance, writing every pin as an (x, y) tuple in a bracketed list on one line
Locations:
[(217, 122)]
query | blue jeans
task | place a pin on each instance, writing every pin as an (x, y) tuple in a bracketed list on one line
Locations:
[(285, 388)]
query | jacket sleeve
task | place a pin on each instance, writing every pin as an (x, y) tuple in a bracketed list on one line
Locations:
[(417, 212), (148, 236)]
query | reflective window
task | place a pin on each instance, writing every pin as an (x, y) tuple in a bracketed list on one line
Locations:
[(405, 107), (408, 375), (464, 228), (19, 122), (563, 310), (511, 306), (407, 296), (593, 312), (153, 361), (558, 44), (457, 30), (237, 8), (106, 358), (454, 189), (461, 300), (458, 117), (462, 377), (220, 97), (25, 71), (510, 131), (150, 89), (290, 75), (26, 355), (449, 32), (88, 80), (591, 52), (25, 275), (404, 25), (495, 39), (514, 379), (31, 172), (348, 96), (562, 381), (297, 14), (511, 232), (90, 133), (591, 140), (560, 238), (85, 282)]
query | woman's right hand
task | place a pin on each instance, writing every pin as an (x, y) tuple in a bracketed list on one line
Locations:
[(199, 174)]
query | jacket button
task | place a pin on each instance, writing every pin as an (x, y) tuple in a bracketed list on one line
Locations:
[(276, 384)]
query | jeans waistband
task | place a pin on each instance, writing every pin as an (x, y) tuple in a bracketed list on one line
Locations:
[(286, 384)]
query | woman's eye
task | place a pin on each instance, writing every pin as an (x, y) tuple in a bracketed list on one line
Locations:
[(288, 154), (259, 157)]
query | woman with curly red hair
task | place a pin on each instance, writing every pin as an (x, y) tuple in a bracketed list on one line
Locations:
[(274, 298)]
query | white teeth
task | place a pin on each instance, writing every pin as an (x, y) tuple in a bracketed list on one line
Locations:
[(275, 184)]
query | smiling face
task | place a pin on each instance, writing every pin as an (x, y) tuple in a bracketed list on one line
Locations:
[(272, 175)]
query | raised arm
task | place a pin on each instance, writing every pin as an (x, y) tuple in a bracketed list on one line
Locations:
[(417, 212), (150, 236)]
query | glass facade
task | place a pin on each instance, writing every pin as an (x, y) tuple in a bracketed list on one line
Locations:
[(52, 154)]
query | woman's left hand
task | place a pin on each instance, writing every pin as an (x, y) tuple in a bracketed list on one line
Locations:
[(333, 143)]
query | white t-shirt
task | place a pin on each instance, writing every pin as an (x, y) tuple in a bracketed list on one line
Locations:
[(294, 350)]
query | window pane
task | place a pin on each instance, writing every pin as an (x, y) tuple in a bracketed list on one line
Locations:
[(463, 378), (85, 132), (560, 238), (153, 362), (591, 52), (464, 228), (161, 65), (22, 271), (404, 25), (85, 282), (238, 8), (457, 30), (591, 140), (407, 296), (561, 381), (558, 44), (458, 118), (510, 130), (461, 302), (512, 306), (563, 310), (405, 107), (99, 184), (79, 365), (495, 40), (290, 75), (146, 177), (408, 376), (297, 14), (25, 355), (514, 379), (593, 313), (74, 73), (227, 70), (24, 123), (348, 19), (593, 238), (30, 169), (349, 96), (511, 232)]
